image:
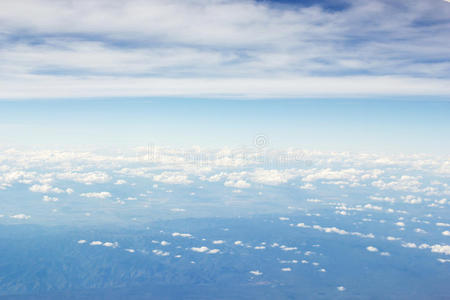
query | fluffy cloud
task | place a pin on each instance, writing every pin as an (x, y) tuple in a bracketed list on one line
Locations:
[(99, 195), (371, 249), (172, 178), (160, 252), (201, 249), (86, 178), (188, 235), (335, 230), (49, 199), (20, 217), (256, 273), (240, 184), (45, 188)]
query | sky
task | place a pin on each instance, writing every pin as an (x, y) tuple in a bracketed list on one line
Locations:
[(156, 143), (358, 125), (334, 75), (245, 49)]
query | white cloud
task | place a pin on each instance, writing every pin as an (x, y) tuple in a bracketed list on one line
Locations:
[(172, 178), (81, 241), (45, 188), (96, 243), (240, 184), (446, 233), (256, 273), (218, 242), (371, 249), (307, 186), (383, 199), (20, 217), (444, 249), (109, 244), (187, 235), (286, 269), (49, 199), (272, 177), (200, 249), (99, 195), (86, 178), (160, 252), (176, 209), (409, 245), (373, 207)]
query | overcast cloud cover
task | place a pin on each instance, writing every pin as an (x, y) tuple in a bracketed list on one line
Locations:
[(223, 48)]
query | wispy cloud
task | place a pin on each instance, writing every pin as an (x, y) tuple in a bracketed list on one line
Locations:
[(223, 48)]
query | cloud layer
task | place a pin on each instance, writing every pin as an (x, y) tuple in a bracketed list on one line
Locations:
[(222, 48)]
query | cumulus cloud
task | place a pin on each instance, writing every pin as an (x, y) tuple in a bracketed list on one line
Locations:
[(160, 252), (86, 178), (201, 249), (335, 230), (172, 178), (256, 273), (45, 188), (99, 195), (49, 199), (187, 235), (176, 209), (240, 184), (371, 249), (409, 245), (109, 244), (20, 217), (444, 249)]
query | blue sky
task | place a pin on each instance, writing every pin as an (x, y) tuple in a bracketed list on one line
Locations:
[(346, 75), (367, 125)]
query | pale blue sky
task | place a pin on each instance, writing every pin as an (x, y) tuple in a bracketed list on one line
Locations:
[(399, 125)]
